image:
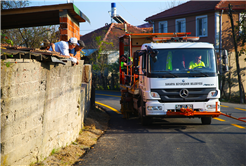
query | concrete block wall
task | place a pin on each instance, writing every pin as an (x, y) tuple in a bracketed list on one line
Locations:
[(42, 108), (86, 88)]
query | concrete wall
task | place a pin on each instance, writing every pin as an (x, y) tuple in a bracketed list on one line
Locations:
[(42, 108), (233, 74), (227, 43)]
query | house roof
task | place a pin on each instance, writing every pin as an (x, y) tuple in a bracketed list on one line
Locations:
[(38, 16), (146, 25), (108, 33), (193, 6), (236, 5)]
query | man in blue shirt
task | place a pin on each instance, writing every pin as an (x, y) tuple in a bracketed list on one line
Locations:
[(63, 48), (80, 45), (76, 51)]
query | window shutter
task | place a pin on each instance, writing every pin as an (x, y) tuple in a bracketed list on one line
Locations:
[(183, 26), (161, 30), (165, 27), (162, 27), (204, 27)]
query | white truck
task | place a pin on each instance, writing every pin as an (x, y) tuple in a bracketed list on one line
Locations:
[(171, 76)]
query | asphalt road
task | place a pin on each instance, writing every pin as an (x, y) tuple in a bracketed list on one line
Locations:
[(173, 141)]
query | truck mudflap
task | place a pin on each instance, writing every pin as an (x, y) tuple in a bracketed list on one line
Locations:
[(191, 112)]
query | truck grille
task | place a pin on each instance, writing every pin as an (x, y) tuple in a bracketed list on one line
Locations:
[(173, 95)]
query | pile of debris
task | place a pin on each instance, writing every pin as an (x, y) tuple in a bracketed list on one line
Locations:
[(17, 52)]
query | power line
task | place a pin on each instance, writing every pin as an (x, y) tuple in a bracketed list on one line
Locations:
[(129, 12)]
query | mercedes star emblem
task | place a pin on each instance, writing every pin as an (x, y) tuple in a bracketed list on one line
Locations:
[(183, 93)]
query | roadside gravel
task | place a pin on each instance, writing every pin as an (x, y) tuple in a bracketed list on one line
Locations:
[(94, 127)]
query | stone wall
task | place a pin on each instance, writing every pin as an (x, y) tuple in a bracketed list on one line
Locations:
[(42, 108)]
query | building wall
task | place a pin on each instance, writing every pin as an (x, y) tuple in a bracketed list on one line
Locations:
[(227, 42), (42, 108), (234, 76), (191, 26), (113, 56)]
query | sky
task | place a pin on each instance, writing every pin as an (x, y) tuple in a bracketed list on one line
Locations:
[(98, 12)]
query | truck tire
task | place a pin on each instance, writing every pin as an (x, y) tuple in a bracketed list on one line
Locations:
[(206, 120), (143, 118)]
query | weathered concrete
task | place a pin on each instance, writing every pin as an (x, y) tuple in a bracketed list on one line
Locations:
[(42, 108)]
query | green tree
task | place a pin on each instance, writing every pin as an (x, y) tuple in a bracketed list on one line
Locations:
[(28, 37), (99, 59), (241, 29), (14, 4)]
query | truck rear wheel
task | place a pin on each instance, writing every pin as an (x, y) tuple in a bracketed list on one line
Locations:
[(206, 120)]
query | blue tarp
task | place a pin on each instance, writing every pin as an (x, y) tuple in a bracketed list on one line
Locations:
[(89, 51)]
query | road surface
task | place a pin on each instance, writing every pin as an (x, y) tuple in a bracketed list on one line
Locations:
[(173, 141)]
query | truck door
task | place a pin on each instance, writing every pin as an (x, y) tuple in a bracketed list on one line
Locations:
[(142, 72)]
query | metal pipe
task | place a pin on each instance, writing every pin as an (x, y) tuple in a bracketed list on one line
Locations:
[(220, 48)]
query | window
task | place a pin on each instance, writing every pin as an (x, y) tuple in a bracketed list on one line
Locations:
[(163, 27), (202, 26), (180, 25), (242, 21)]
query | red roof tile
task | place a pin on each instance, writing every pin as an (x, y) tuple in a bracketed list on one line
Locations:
[(236, 5), (108, 33), (191, 7)]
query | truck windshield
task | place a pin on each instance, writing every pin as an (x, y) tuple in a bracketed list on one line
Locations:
[(188, 62)]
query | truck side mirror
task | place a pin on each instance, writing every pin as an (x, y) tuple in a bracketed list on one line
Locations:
[(135, 62), (135, 59), (136, 71)]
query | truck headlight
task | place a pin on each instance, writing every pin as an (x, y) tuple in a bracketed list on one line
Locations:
[(212, 94), (155, 94), (212, 106), (154, 108)]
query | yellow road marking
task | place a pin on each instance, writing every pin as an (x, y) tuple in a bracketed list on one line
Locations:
[(113, 109), (222, 120), (240, 109), (107, 95), (241, 127), (224, 106)]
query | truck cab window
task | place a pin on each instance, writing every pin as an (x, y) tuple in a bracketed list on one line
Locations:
[(144, 62), (183, 62)]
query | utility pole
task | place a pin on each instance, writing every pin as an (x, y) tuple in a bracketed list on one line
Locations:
[(236, 53)]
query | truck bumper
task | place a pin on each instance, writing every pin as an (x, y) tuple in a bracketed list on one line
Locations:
[(199, 109)]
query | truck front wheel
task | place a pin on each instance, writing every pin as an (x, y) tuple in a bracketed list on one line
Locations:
[(145, 120), (206, 120)]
